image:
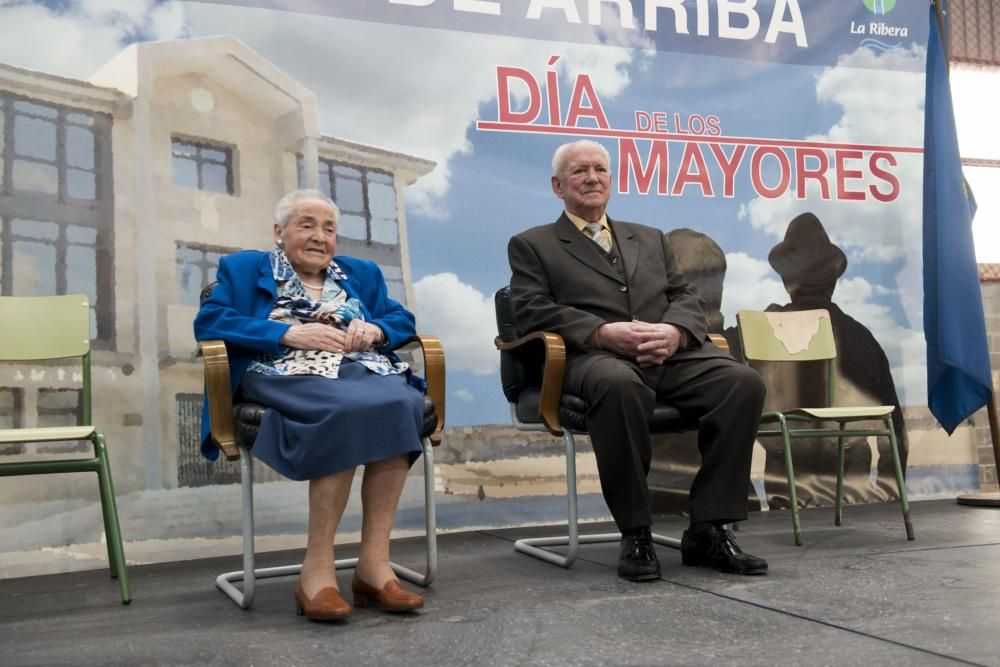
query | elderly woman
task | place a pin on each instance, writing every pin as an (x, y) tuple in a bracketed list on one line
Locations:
[(310, 336)]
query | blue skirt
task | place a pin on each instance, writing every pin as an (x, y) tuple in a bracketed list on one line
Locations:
[(315, 426)]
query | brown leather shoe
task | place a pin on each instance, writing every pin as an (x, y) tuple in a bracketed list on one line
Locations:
[(393, 597), (327, 605)]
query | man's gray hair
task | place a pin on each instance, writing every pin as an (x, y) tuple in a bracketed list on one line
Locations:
[(559, 157), (285, 208)]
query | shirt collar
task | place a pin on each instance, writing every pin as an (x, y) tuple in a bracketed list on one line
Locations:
[(581, 223)]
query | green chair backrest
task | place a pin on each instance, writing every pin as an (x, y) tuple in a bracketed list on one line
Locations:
[(44, 327), (804, 335)]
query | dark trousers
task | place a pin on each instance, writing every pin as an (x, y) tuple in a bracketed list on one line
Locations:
[(724, 395)]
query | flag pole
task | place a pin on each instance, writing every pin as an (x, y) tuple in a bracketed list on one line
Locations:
[(945, 42), (976, 499)]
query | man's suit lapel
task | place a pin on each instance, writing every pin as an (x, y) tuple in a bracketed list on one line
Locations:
[(628, 246), (583, 249)]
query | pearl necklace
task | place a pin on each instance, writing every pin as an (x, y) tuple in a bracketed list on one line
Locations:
[(310, 286)]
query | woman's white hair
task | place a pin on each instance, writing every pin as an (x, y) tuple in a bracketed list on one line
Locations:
[(560, 156), (285, 208)]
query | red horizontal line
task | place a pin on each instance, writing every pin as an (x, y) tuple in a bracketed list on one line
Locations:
[(495, 126)]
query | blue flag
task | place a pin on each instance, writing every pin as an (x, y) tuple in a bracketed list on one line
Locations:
[(958, 362)]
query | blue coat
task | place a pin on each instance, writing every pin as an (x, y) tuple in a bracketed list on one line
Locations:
[(240, 303)]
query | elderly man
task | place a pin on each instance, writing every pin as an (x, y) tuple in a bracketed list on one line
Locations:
[(635, 332)]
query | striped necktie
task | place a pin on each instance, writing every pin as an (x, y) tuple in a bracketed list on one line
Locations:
[(598, 235)]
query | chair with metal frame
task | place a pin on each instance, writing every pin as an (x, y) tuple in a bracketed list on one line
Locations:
[(234, 427), (807, 335), (532, 368), (58, 327)]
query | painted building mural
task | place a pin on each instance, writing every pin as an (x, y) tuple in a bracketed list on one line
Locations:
[(778, 145)]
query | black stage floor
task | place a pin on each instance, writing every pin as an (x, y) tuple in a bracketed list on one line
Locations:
[(859, 594)]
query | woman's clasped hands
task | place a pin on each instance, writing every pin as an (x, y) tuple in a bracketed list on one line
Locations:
[(358, 337)]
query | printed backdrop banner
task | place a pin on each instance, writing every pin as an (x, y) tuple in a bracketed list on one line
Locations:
[(783, 31), (777, 142)]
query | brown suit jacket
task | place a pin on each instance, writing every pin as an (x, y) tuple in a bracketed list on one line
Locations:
[(562, 283)]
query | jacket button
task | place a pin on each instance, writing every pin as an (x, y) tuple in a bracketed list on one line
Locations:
[(623, 288)]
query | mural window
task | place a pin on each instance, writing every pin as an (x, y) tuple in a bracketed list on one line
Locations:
[(60, 407), (55, 161), (366, 197), (201, 165), (51, 150), (346, 185), (43, 257), (382, 207), (11, 402), (197, 265), (192, 468), (11, 416), (396, 290), (394, 282)]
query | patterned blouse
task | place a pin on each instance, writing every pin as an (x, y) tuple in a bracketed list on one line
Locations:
[(294, 306)]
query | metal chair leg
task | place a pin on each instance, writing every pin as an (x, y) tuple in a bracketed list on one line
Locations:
[(900, 482), (249, 574), (109, 509), (838, 512), (792, 498), (533, 546), (112, 555), (430, 515)]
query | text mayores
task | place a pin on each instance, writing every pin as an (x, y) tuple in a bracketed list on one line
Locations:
[(671, 154), (843, 174)]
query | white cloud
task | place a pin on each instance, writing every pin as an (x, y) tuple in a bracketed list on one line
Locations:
[(750, 284), (880, 101), (414, 90), (75, 40), (464, 319), (878, 106), (464, 395), (910, 375)]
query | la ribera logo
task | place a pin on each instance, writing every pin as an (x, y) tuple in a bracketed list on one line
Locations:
[(880, 7)]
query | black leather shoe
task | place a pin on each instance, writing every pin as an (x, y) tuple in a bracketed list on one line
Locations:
[(716, 547), (637, 558)]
